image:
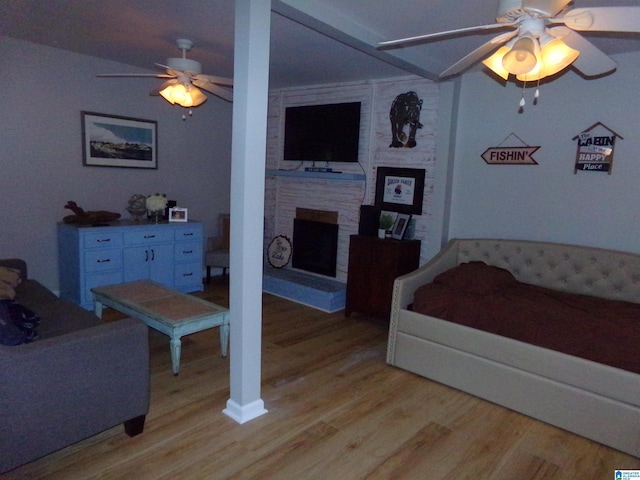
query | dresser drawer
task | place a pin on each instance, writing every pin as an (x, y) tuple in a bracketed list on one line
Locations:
[(188, 233), (185, 252), (148, 237), (188, 274), (104, 239), (102, 260)]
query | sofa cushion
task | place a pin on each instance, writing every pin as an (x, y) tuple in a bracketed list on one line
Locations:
[(17, 323)]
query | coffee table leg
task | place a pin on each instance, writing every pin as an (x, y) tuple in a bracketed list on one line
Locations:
[(224, 339), (97, 308), (176, 346)]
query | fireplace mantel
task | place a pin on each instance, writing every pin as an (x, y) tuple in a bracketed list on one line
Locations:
[(322, 175)]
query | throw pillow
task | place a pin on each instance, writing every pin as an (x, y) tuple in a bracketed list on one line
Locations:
[(17, 323), (7, 292), (477, 277), (10, 276)]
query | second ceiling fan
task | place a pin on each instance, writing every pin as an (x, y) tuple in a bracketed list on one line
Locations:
[(543, 41)]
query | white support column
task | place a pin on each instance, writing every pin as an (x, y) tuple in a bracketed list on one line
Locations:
[(248, 152)]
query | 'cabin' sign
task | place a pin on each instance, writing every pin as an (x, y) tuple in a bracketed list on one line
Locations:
[(595, 149)]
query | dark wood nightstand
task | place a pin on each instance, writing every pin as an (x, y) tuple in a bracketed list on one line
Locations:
[(374, 264)]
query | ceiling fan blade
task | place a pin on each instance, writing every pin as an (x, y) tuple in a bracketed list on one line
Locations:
[(215, 89), (478, 54), (214, 79), (602, 19), (545, 7), (429, 36), (135, 75), (592, 61)]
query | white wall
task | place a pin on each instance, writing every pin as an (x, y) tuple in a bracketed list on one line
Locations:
[(43, 92), (548, 201)]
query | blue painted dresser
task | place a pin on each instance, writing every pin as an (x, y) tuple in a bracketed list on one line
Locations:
[(123, 251)]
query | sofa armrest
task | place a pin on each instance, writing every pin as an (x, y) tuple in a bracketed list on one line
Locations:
[(59, 390)]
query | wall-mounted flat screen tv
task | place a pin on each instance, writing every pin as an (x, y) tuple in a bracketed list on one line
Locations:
[(322, 133)]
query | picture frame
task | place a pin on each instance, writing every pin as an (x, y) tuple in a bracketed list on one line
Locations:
[(115, 141), (400, 189), (178, 214), (400, 226)]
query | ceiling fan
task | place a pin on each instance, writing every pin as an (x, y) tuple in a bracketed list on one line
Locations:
[(185, 76), (543, 39)]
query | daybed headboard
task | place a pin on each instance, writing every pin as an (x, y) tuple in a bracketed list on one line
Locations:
[(584, 270)]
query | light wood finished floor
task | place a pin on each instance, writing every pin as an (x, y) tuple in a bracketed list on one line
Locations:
[(336, 411)]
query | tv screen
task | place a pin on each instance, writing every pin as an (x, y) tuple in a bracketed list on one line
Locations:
[(322, 133)]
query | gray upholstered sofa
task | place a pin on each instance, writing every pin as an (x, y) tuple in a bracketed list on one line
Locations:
[(594, 400), (80, 377)]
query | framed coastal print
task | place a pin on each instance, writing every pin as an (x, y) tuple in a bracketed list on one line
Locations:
[(112, 141), (400, 190)]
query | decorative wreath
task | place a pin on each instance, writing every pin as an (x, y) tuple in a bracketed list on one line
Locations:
[(279, 251)]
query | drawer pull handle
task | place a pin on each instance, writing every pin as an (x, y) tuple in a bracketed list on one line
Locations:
[(187, 234), (146, 257), (104, 261), (149, 236), (187, 251), (187, 274), (102, 240)]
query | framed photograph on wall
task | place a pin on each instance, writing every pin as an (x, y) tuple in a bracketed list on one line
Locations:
[(112, 141), (177, 214), (400, 190), (400, 226)]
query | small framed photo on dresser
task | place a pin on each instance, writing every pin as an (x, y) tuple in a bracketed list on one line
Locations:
[(177, 214)]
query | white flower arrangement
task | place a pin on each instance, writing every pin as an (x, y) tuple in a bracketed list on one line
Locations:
[(156, 202)]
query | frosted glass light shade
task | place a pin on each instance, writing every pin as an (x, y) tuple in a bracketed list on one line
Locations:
[(522, 56), (185, 96), (554, 57), (494, 62)]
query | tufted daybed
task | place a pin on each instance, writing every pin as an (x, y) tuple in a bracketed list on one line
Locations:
[(591, 399)]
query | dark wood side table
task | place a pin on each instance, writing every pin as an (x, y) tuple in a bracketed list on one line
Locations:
[(374, 264)]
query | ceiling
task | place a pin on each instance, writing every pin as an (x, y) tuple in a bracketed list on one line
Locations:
[(312, 42)]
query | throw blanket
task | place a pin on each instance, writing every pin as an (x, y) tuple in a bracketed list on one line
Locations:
[(491, 299)]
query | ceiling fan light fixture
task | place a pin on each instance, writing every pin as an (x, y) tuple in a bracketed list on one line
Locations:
[(494, 62), (522, 56), (184, 95), (554, 56)]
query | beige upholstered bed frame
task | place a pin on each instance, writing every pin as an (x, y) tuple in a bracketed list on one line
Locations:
[(593, 400)]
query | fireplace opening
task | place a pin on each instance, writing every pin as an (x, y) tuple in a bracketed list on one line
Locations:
[(315, 246)]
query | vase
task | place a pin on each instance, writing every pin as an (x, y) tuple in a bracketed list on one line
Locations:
[(382, 233), (155, 216)]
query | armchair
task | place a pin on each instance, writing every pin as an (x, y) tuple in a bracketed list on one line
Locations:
[(217, 254)]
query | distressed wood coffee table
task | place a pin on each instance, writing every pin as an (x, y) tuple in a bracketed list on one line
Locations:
[(173, 313)]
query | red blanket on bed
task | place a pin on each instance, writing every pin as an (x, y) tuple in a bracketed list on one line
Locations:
[(491, 299)]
